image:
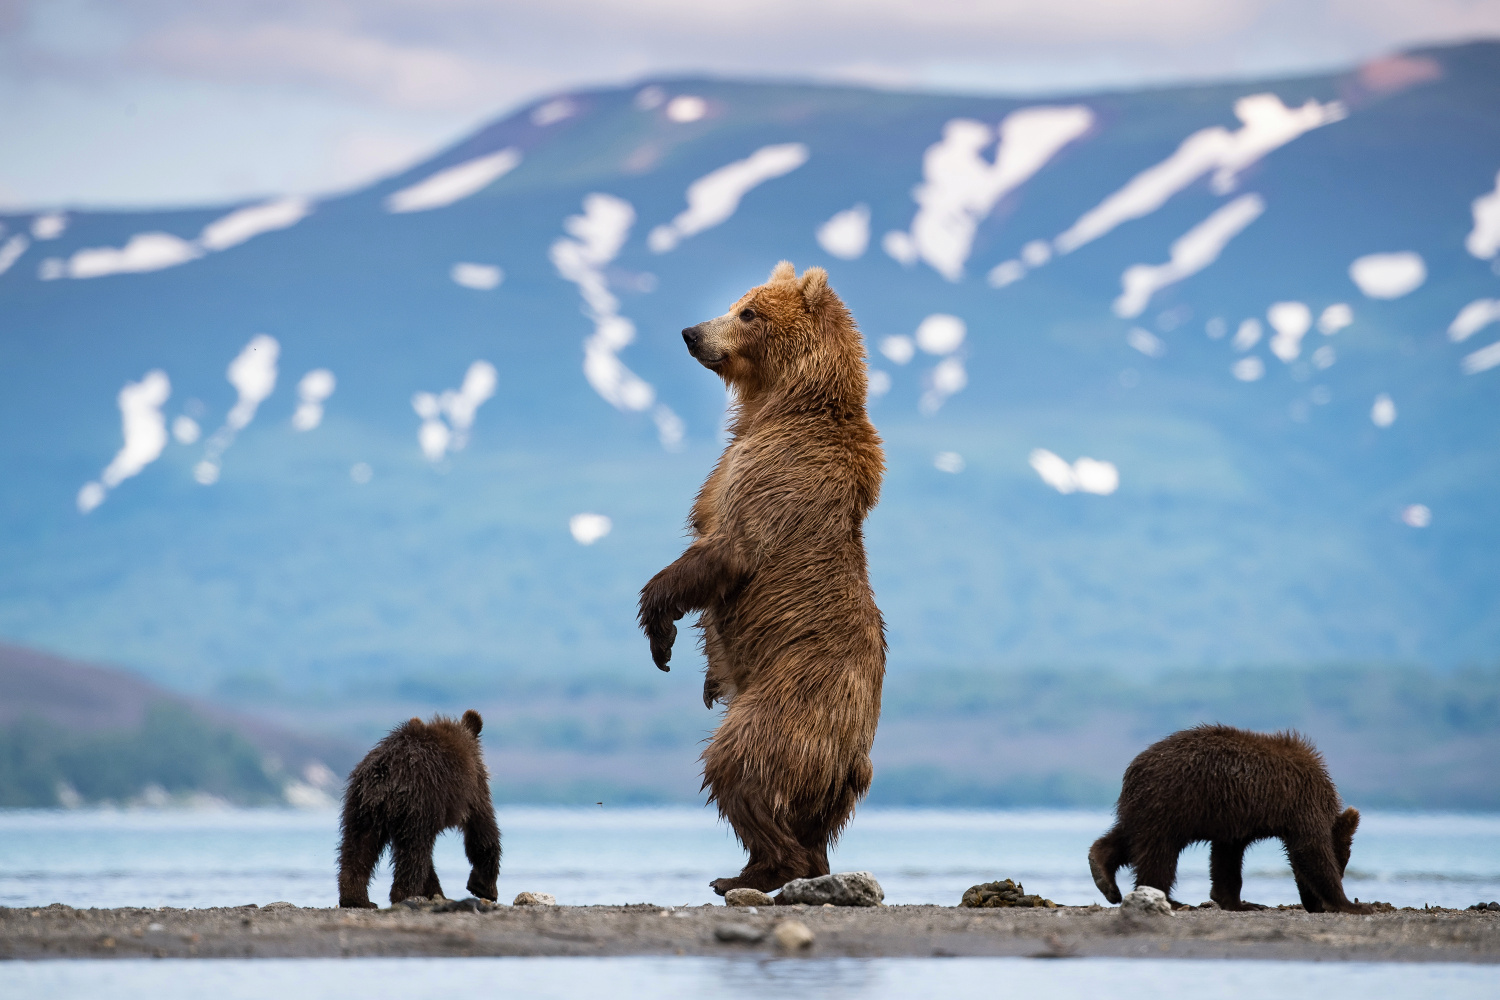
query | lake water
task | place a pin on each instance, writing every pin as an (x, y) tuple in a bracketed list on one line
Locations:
[(816, 979), (667, 856)]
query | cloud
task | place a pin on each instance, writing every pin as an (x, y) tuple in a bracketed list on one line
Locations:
[(435, 68), (400, 75)]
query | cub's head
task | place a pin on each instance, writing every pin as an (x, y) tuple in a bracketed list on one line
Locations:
[(1343, 836), (788, 332)]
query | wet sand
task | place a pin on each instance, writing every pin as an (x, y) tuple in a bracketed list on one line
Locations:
[(285, 931)]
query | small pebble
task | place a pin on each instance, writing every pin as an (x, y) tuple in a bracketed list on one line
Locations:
[(792, 935), (535, 899), (747, 897), (739, 934)]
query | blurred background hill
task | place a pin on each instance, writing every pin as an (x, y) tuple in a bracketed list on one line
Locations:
[(1189, 398)]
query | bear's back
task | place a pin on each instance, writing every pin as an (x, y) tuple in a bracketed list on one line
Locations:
[(421, 769), (1218, 781)]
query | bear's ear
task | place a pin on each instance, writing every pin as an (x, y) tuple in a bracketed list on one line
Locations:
[(783, 272), (472, 722), (814, 288)]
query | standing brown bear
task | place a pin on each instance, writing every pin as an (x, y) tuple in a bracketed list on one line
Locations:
[(1231, 788), (422, 779), (795, 644)]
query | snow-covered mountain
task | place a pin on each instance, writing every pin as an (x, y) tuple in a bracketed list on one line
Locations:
[(1196, 376)]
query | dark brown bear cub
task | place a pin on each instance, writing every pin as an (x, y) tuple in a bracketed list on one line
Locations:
[(422, 779), (1230, 788)]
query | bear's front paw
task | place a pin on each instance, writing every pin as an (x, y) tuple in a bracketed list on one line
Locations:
[(662, 633)]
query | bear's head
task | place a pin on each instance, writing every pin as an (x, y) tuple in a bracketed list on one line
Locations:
[(791, 334)]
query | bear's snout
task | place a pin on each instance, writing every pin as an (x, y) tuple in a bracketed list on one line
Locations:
[(691, 336)]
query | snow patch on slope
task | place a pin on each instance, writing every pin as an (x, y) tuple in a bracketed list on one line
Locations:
[(459, 407), (960, 186), (1472, 318), (143, 252), (145, 432), (1481, 360), (596, 238), (245, 223), (847, 234), (713, 198), (1087, 475), (314, 389), (1267, 124), (1291, 321), (1388, 275), (1484, 239), (482, 277), (1191, 253), (11, 251), (454, 183), (253, 375)]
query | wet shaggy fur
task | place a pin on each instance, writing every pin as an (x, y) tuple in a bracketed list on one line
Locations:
[(1229, 787), (422, 779), (795, 644)]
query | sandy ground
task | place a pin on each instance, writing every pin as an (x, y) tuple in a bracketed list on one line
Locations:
[(282, 930)]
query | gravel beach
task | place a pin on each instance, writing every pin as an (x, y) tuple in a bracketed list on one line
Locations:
[(280, 930)]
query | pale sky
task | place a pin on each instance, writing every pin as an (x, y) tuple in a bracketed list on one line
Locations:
[(171, 102)]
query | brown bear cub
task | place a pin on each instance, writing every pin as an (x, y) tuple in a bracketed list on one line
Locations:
[(795, 644), (1229, 787), (422, 779)]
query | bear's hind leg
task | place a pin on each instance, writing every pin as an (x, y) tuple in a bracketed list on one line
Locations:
[(1226, 860), (482, 848), (359, 852), (414, 874), (1106, 856), (1155, 865), (776, 857), (827, 820)]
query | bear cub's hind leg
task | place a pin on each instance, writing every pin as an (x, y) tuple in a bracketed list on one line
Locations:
[(358, 854), (414, 874), (1226, 861), (1108, 854)]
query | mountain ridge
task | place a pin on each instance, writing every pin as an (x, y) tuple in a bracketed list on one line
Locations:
[(1253, 522)]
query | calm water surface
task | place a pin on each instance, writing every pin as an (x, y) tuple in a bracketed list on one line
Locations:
[(866, 979), (667, 856)]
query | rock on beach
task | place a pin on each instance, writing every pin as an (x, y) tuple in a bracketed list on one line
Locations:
[(839, 889), (1145, 902), (535, 899)]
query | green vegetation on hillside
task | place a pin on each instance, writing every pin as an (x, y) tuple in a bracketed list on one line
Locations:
[(173, 749), (1394, 737)]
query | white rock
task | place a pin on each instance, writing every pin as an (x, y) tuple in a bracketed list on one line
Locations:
[(1145, 902), (839, 889), (535, 899)]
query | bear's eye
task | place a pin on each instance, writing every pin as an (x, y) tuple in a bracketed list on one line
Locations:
[(746, 315)]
